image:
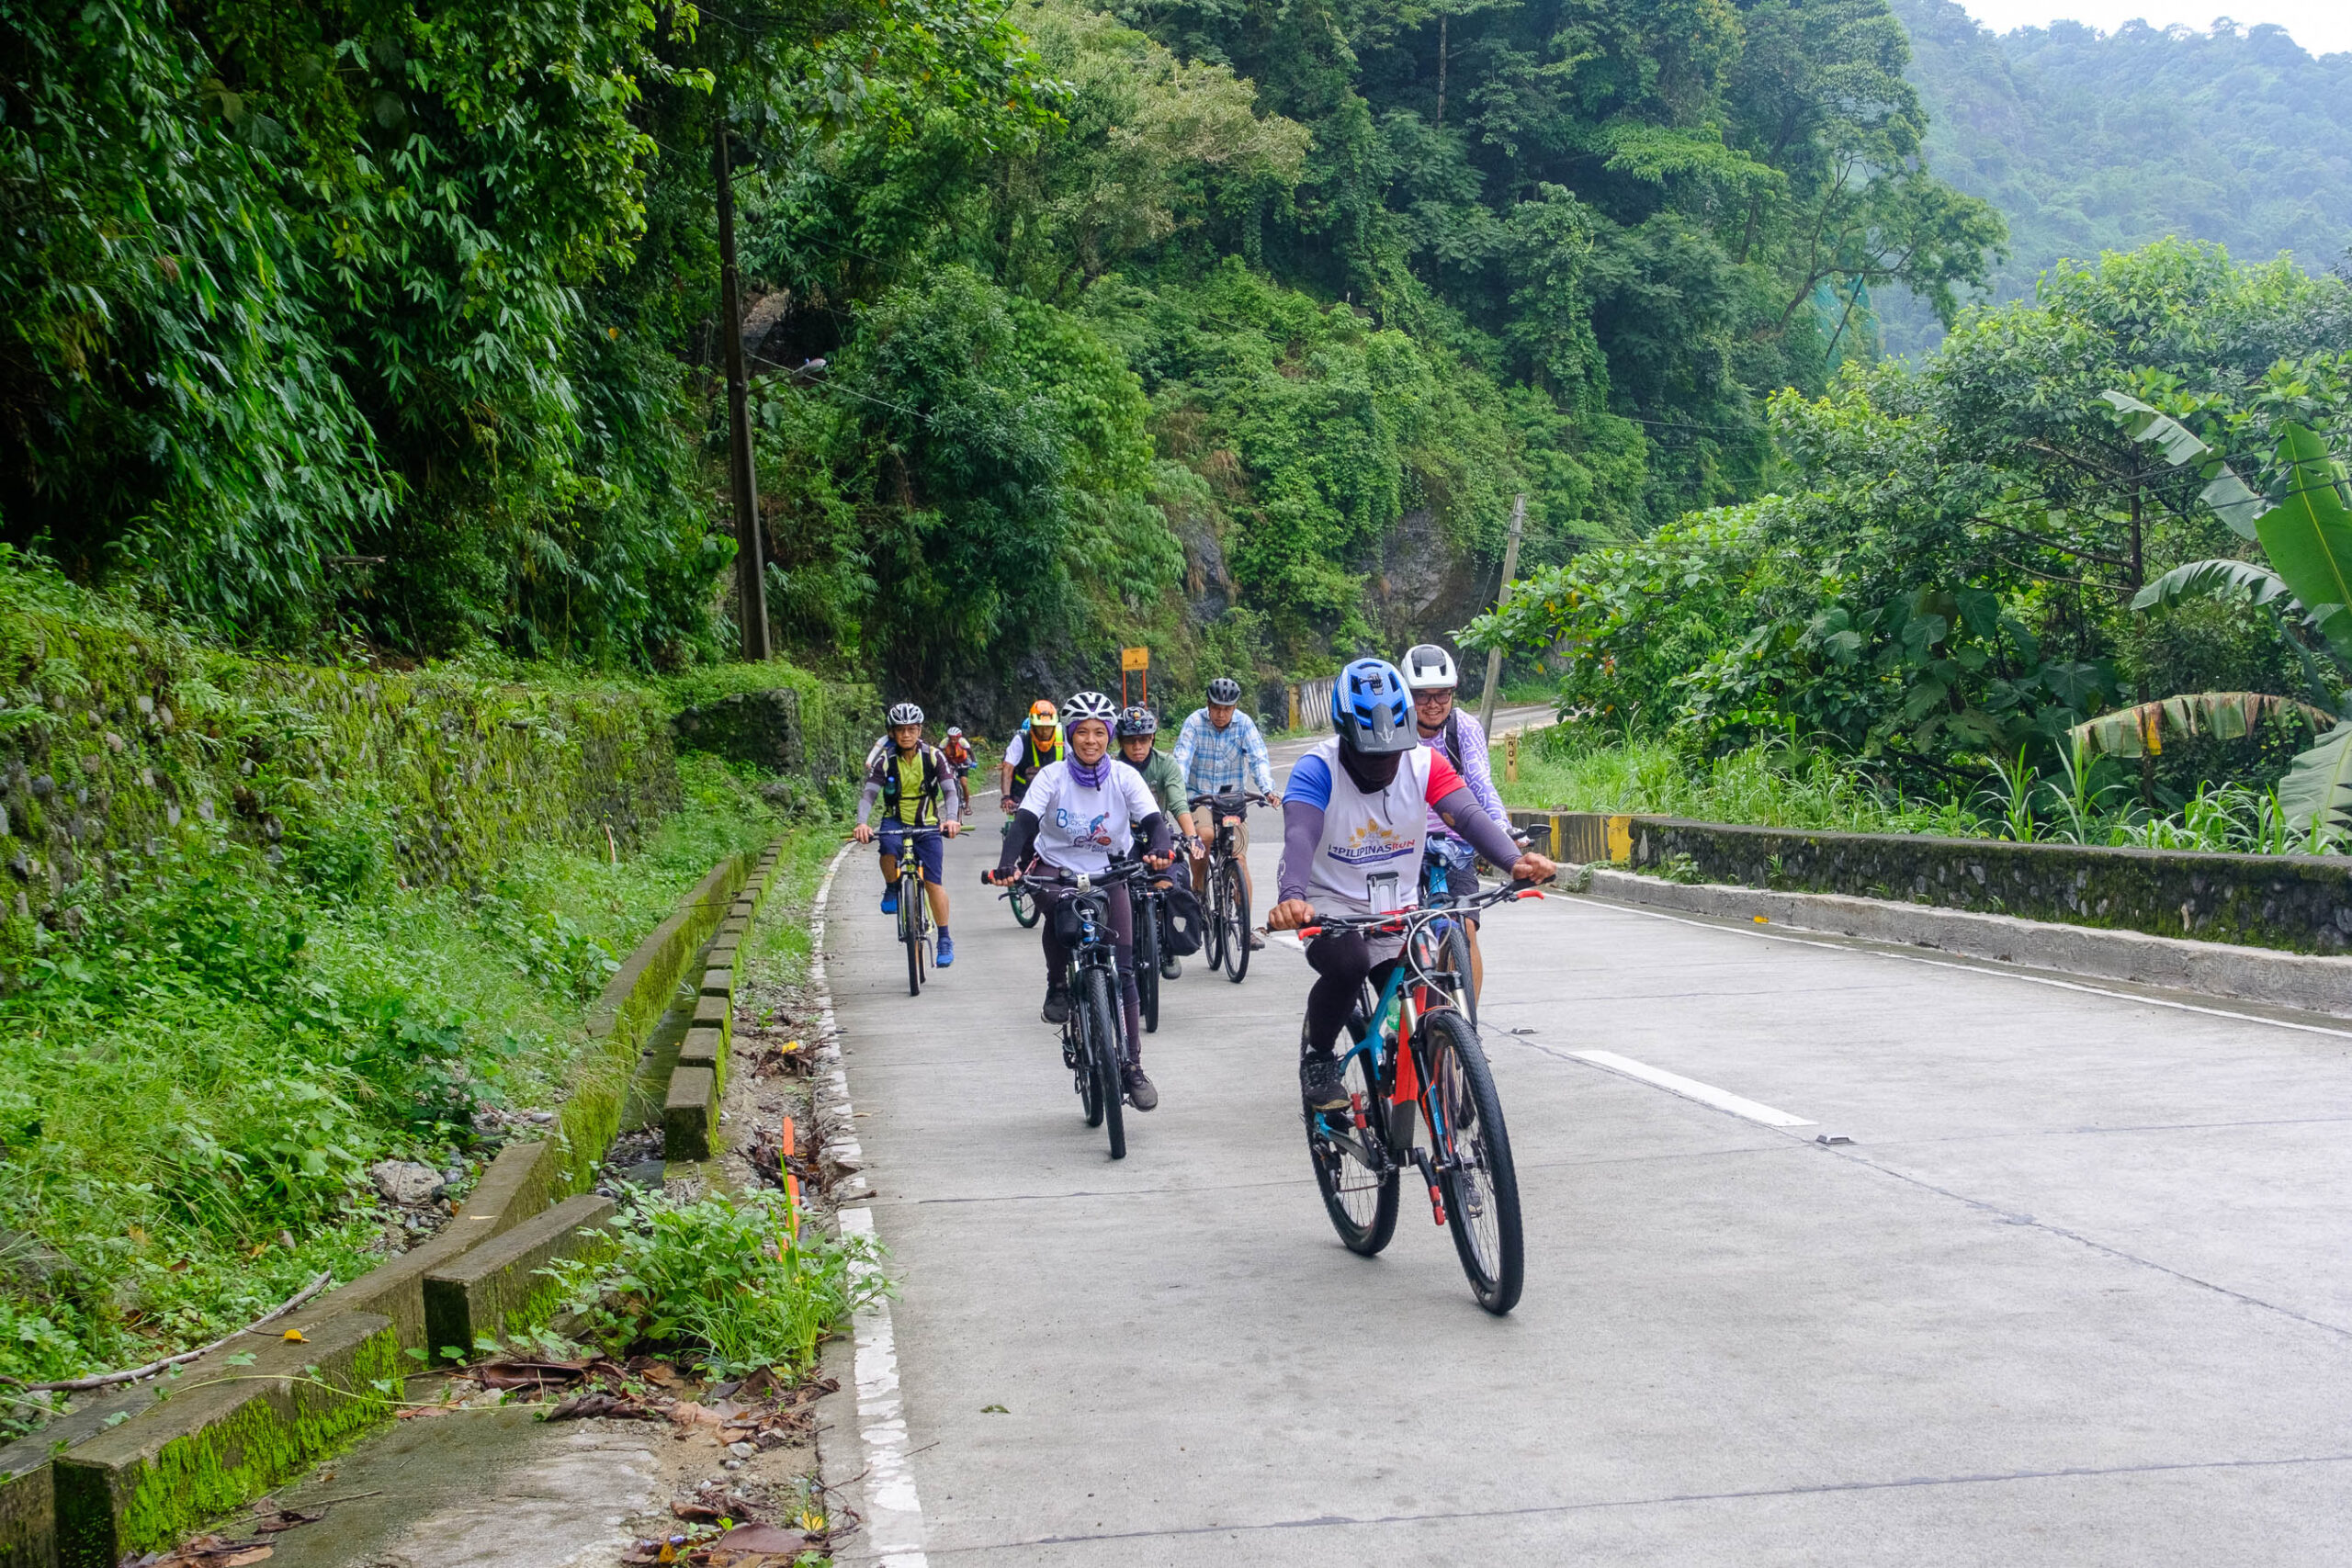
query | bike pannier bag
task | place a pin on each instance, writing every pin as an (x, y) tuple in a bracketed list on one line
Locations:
[(1186, 924)]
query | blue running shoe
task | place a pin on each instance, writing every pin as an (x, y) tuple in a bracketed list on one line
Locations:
[(946, 950), (890, 900)]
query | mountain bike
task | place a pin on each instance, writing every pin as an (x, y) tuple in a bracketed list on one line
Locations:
[(914, 910), (1094, 1035), (1145, 900), (1417, 1064), (1453, 972), (1024, 907), (1229, 894)]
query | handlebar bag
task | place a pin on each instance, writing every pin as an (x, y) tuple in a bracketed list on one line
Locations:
[(1070, 928), (1186, 924)]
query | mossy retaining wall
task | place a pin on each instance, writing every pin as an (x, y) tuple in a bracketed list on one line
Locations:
[(2296, 903), (119, 742)]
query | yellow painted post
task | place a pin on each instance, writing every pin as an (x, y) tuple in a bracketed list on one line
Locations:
[(1511, 757), (1293, 708), (1556, 845)]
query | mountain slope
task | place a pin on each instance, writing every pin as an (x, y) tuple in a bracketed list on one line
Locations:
[(2090, 141)]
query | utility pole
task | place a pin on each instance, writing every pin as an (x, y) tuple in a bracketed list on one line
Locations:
[(750, 574), (1495, 655)]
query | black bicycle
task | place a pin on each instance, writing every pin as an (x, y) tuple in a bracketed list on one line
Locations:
[(1416, 1063), (1229, 894), (914, 910), (1145, 901), (1024, 907), (1094, 1035)]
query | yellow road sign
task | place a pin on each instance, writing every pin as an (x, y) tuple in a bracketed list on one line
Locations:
[(1134, 658)]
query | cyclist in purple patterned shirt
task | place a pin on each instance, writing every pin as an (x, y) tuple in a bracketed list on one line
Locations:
[(1431, 678)]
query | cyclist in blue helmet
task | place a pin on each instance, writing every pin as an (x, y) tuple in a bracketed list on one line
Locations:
[(1355, 817)]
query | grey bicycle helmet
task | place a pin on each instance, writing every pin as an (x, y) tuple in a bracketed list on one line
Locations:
[(1138, 721), (905, 713), (1225, 691), (1086, 705)]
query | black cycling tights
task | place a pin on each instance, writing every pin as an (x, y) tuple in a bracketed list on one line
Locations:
[(1123, 945), (1341, 963)]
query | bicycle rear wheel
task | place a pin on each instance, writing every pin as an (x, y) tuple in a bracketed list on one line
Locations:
[(1104, 1055), (1473, 1153), (1361, 1199), (1146, 920), (1237, 922)]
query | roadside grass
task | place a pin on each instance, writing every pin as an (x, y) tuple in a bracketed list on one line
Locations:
[(1780, 786), (191, 1091)]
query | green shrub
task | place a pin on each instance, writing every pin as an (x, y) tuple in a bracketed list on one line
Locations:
[(724, 1282)]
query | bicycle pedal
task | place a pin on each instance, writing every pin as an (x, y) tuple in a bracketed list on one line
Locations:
[(1437, 1207)]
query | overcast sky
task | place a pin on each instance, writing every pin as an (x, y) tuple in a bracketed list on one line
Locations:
[(2322, 26)]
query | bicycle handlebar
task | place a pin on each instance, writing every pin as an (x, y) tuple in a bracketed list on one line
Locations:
[(1391, 925), (1246, 796), (1118, 871)]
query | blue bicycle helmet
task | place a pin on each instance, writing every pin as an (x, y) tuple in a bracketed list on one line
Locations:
[(1370, 710)]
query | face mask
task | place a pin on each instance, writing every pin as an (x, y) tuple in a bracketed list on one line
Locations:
[(1369, 774)]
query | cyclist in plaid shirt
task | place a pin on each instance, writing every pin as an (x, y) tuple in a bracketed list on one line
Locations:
[(1219, 748)]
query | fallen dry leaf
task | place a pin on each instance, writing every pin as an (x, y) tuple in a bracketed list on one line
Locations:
[(686, 1412)]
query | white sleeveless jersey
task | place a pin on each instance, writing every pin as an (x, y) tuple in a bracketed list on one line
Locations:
[(1369, 860)]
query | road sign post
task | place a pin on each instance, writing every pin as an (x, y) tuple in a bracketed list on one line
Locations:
[(1138, 660)]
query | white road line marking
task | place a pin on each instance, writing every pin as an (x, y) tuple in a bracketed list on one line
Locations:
[(893, 1508), (1690, 1088), (1842, 943)]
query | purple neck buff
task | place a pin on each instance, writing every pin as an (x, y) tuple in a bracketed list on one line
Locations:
[(1090, 776)]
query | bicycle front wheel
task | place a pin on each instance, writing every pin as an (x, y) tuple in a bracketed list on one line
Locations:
[(1458, 963), (911, 928), (1147, 920), (1237, 922), (1474, 1160), (1103, 1055), (1025, 909), (1360, 1198)]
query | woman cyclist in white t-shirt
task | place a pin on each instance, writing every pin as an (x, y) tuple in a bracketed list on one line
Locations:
[(1071, 815)]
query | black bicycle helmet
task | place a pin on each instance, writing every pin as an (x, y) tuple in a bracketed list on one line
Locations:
[(1137, 721), (1225, 691), (905, 713)]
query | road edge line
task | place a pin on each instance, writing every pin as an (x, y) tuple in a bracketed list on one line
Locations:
[(893, 1523)]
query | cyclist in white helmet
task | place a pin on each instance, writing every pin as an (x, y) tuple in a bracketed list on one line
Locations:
[(911, 778), (1430, 677)]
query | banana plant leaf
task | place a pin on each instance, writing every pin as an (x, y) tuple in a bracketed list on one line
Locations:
[(2307, 536), (2225, 715), (2317, 791), (2213, 580), (2228, 495)]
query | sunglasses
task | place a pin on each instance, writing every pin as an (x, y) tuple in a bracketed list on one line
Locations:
[(1432, 699)]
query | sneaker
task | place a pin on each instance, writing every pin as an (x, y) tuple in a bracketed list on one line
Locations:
[(1140, 1094), (890, 900), (1171, 966), (1320, 1083), (1056, 1009), (946, 954), (1256, 942)]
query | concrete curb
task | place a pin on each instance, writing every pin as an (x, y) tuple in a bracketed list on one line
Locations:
[(222, 1439), (697, 1082), (497, 1288), (2249, 974)]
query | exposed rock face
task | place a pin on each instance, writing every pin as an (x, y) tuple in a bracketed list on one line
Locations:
[(1421, 589)]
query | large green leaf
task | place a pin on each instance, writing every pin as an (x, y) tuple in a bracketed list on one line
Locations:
[(2178, 444), (2317, 791), (2214, 580), (2227, 716), (2307, 536)]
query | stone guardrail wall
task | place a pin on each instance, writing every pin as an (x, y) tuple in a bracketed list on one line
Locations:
[(120, 743), (798, 729), (135, 1470), (2296, 903)]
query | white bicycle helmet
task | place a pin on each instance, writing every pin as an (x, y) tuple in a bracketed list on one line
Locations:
[(1086, 705), (906, 713), (1428, 668)]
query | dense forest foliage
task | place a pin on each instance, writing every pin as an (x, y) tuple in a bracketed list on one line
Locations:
[(1965, 564), (2091, 142), (1236, 326)]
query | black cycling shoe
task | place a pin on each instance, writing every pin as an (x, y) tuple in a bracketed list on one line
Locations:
[(1140, 1094), (1056, 1009), (1320, 1082)]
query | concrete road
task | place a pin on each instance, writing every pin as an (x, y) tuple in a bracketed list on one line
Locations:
[(2077, 1292)]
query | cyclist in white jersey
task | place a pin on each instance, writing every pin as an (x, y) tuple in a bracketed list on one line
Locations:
[(1355, 815)]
